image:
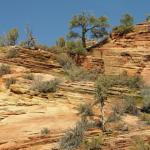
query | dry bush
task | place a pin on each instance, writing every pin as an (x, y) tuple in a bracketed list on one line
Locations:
[(45, 86), (4, 69), (45, 131), (85, 110), (29, 76), (130, 105), (139, 144), (73, 138), (145, 117), (65, 61), (93, 144), (12, 53), (9, 82)]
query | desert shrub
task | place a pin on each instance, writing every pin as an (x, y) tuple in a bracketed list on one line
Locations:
[(4, 69), (12, 36), (76, 73), (139, 144), (93, 144), (73, 138), (117, 111), (45, 131), (61, 42), (9, 82), (103, 83), (145, 93), (85, 110), (12, 53), (145, 117), (3, 40), (130, 105), (65, 61), (29, 76), (45, 86), (74, 48), (126, 80)]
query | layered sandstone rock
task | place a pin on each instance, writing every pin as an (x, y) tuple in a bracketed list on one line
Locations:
[(130, 53)]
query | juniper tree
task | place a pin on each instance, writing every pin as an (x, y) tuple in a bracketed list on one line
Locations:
[(85, 25)]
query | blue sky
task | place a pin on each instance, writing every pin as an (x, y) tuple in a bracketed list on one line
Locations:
[(49, 18)]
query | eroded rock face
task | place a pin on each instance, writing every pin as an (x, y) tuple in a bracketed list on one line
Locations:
[(94, 63), (129, 53)]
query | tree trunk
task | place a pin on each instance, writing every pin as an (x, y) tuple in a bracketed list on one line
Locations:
[(83, 39), (103, 120)]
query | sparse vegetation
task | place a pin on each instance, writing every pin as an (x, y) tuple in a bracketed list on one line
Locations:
[(145, 117), (4, 69), (45, 86), (45, 131), (30, 41), (29, 76), (65, 61), (10, 81), (10, 38), (101, 87), (12, 53), (145, 93), (130, 105), (61, 42), (139, 144), (73, 138), (93, 144), (85, 110), (126, 25)]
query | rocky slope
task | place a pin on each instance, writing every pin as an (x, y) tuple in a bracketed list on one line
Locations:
[(130, 53), (24, 112)]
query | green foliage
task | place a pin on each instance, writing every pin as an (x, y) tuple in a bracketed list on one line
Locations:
[(12, 53), (9, 82), (75, 48), (45, 131), (61, 42), (145, 93), (45, 86), (126, 25), (101, 87), (85, 110), (85, 24), (139, 144), (12, 36), (102, 84), (4, 69), (148, 18)]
